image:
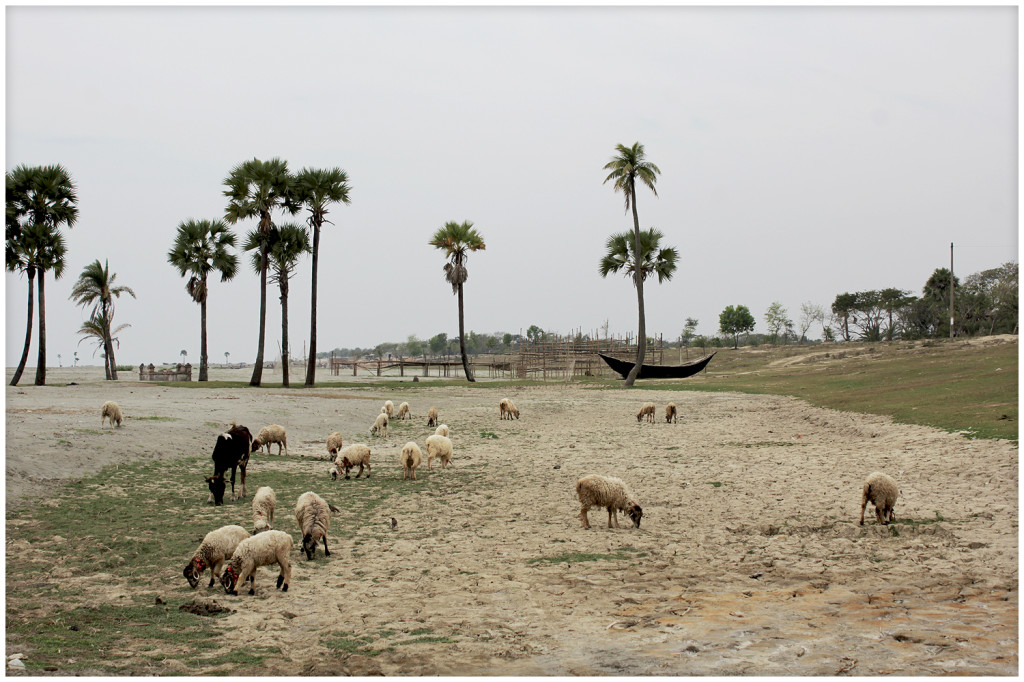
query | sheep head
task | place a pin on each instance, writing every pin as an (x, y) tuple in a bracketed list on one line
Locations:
[(308, 545), (228, 579), (192, 572), (635, 513), (256, 445)]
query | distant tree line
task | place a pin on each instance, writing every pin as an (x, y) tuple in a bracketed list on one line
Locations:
[(437, 346)]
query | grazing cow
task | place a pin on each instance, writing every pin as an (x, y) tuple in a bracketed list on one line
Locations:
[(230, 452)]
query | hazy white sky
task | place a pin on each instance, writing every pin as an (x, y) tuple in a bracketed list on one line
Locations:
[(805, 152)]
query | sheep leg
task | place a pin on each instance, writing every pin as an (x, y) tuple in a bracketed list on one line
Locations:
[(880, 516), (367, 469), (613, 516), (327, 552), (215, 572), (863, 504), (285, 576), (583, 516), (361, 472)]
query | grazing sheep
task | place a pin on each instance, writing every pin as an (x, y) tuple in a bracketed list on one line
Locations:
[(270, 434), (389, 408), (265, 549), (216, 548), (334, 443), (442, 430), (882, 491), (263, 504), (230, 452), (432, 416), (411, 458), (440, 447), (647, 410), (380, 426), (350, 457), (403, 412), (671, 413), (506, 409), (612, 493), (314, 517), (112, 412)]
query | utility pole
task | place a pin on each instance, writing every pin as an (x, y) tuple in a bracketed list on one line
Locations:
[(951, 291)]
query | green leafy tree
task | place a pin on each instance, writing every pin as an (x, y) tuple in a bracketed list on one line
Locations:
[(735, 320), (892, 301), (534, 333), (97, 327), (842, 307), (316, 189), (29, 249), (506, 342), (438, 343), (775, 318), (46, 197), (629, 165), (457, 240), (284, 246), (95, 287), (413, 346), (255, 189), (202, 247)]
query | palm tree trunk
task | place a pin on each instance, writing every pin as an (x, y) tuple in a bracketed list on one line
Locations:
[(41, 359), (641, 340), (462, 341), (284, 331), (108, 343), (257, 371), (203, 358), (311, 365), (28, 330)]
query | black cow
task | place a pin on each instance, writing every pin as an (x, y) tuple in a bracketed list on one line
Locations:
[(231, 451)]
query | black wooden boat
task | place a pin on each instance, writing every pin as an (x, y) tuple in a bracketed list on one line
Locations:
[(623, 367)]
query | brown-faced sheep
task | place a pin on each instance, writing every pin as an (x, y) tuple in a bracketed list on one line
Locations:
[(112, 412), (270, 434), (881, 491), (432, 416), (671, 413), (612, 493), (313, 515), (265, 549), (410, 459), (403, 412), (507, 410), (216, 548), (350, 457), (380, 426), (334, 443), (439, 447), (264, 502), (646, 410)]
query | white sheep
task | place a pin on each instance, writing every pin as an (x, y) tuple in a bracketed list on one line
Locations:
[(270, 434), (507, 409), (410, 459), (882, 491), (313, 515), (112, 412), (432, 416), (439, 447), (605, 491), (265, 549), (263, 504), (404, 412), (442, 430), (646, 410), (216, 548), (389, 409), (350, 457), (380, 426), (671, 413), (334, 443)]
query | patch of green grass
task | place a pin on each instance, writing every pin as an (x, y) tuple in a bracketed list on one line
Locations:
[(158, 419), (426, 640), (576, 558), (715, 484), (489, 434)]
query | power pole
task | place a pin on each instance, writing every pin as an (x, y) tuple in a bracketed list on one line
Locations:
[(951, 290)]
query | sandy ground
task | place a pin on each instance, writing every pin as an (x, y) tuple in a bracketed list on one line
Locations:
[(766, 573)]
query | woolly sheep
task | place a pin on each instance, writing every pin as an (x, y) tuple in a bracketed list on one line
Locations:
[(403, 412), (380, 426), (263, 504), (270, 434), (389, 408), (882, 491), (442, 430), (313, 515), (439, 447), (432, 416), (350, 457), (112, 412), (611, 493), (411, 458), (334, 443), (216, 548), (506, 409), (265, 549), (647, 410), (671, 413)]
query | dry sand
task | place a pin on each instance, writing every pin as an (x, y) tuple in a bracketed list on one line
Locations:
[(767, 573)]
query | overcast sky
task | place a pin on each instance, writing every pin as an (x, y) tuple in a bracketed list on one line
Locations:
[(805, 152)]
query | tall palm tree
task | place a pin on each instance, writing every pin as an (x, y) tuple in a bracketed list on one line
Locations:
[(98, 328), (626, 167), (95, 287), (315, 190), (202, 247), (43, 196), (620, 256), (457, 240), (32, 247), (287, 244), (255, 189)]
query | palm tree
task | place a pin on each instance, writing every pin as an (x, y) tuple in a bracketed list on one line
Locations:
[(95, 286), (629, 165), (314, 190), (621, 256), (202, 247), (98, 327), (456, 240), (255, 190), (44, 197), (286, 244)]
